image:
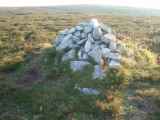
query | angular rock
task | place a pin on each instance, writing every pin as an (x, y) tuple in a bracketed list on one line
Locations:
[(115, 56), (83, 35), (105, 39), (79, 28), (114, 64), (96, 54), (98, 72), (65, 42), (113, 46), (102, 46), (75, 39), (82, 55), (105, 28), (88, 46), (81, 41), (90, 38), (58, 40), (88, 29), (78, 65), (106, 52), (77, 34), (69, 55)]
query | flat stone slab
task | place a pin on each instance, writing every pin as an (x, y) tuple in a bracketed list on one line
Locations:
[(78, 65), (89, 91)]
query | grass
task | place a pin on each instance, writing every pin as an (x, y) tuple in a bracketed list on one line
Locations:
[(36, 85)]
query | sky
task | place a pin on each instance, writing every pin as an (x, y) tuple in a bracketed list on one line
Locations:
[(132, 3)]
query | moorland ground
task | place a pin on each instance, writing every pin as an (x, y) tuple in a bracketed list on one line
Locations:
[(35, 86)]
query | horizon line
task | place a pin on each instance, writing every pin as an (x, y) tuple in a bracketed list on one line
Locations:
[(58, 5)]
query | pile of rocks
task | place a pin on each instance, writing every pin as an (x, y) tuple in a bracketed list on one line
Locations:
[(86, 42)]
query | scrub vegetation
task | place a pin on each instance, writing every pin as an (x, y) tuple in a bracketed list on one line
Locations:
[(36, 85)]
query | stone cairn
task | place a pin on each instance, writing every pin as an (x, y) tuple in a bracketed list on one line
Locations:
[(86, 42)]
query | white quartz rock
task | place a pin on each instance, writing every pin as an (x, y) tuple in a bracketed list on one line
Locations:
[(97, 33), (95, 23)]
